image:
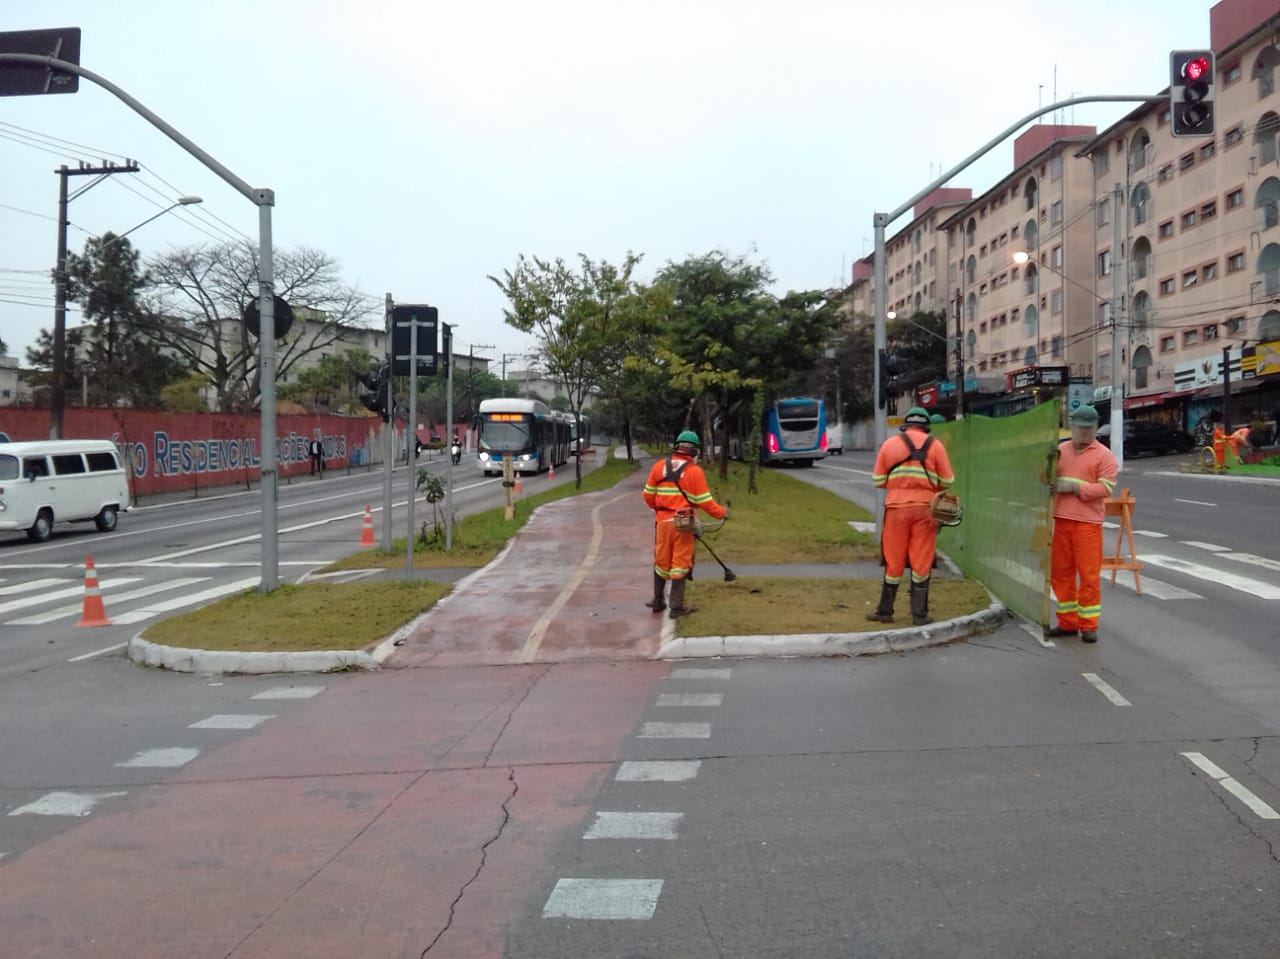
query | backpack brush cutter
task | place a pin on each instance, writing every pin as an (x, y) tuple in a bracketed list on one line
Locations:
[(729, 575)]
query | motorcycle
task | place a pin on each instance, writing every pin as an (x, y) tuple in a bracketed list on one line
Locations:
[(456, 452)]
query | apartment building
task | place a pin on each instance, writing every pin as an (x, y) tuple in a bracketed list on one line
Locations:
[(1020, 257), (1200, 227)]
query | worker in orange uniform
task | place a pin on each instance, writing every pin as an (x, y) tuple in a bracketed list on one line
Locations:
[(1238, 439), (911, 467), (1086, 476), (677, 485)]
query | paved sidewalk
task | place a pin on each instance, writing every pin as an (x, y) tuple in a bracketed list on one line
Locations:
[(571, 586)]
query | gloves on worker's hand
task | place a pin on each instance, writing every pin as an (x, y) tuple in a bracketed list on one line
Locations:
[(1067, 489), (726, 512)]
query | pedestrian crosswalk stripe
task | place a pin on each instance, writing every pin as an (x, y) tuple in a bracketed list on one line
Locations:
[(31, 585), (1252, 560), (138, 615), (1211, 547), (64, 804), (1213, 574), (75, 609), (78, 589), (1158, 589)]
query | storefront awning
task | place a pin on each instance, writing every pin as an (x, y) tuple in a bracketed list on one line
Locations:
[(1152, 399), (1237, 387)]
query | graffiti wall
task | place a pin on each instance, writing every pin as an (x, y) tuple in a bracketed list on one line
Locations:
[(169, 452)]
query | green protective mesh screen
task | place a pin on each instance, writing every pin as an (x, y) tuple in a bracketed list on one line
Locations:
[(1003, 541)]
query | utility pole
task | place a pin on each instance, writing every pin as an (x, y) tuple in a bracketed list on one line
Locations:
[(58, 375), (1117, 291), (959, 359), (472, 405)]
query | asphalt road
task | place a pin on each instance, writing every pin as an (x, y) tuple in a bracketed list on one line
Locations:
[(1005, 796)]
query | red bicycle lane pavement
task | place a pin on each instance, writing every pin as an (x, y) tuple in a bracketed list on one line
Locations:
[(408, 812)]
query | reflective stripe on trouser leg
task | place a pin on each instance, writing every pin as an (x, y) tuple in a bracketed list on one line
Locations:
[(672, 551), (1075, 573)]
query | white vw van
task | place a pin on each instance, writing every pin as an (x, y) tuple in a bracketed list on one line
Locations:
[(60, 481)]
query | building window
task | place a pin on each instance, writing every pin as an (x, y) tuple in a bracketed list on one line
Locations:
[(1235, 198), (1055, 258), (1210, 332), (1104, 263), (1055, 212), (1231, 74), (1056, 347), (1190, 337), (1208, 150), (1188, 219), (1168, 344), (1165, 174), (1235, 262), (1140, 200), (1233, 136), (1209, 210), (1264, 72), (1186, 161), (1167, 286), (1101, 162), (1055, 301), (1055, 168), (1265, 137), (1166, 229), (1209, 271), (1234, 325), (1189, 278), (1104, 212)]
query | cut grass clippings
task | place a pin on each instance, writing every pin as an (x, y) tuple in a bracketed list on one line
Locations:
[(296, 618), (779, 605)]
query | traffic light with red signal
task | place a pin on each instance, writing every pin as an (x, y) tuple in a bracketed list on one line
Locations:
[(1191, 93)]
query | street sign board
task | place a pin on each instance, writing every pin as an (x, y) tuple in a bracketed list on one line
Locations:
[(33, 79), (281, 317), (403, 319)]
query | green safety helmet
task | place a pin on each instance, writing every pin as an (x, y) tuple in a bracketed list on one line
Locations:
[(916, 416), (1083, 416), (937, 418), (689, 437)]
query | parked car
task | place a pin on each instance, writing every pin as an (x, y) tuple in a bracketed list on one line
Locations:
[(1147, 436)]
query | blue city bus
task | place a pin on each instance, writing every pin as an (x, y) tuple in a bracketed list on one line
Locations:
[(794, 431), (528, 432)]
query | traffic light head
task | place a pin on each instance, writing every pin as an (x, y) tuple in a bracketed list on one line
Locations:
[(1191, 93)]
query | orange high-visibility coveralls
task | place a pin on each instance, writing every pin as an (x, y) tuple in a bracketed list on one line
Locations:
[(673, 550), (910, 531), (1085, 479)]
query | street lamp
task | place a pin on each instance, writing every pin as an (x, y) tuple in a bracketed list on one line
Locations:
[(1021, 257), (57, 394)]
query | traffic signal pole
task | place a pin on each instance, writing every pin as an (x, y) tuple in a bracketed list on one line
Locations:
[(389, 438), (880, 221), (264, 199)]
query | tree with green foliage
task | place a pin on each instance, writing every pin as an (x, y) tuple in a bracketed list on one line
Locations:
[(580, 317), (728, 338), (333, 382), (185, 395)]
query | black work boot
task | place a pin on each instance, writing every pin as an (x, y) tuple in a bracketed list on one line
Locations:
[(884, 612), (678, 608), (658, 604), (920, 604)]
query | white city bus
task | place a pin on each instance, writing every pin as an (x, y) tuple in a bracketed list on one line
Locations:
[(60, 481)]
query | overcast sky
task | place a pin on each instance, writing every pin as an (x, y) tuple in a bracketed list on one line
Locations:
[(425, 145)]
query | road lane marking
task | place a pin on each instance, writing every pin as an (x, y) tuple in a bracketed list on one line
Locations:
[(634, 825), (75, 609), (1212, 575), (289, 692), (603, 899), (1158, 589), (1211, 547), (232, 721), (64, 593), (99, 652), (658, 771), (691, 699), (675, 731), (64, 804), (138, 615), (170, 758), (534, 639), (1195, 502), (693, 672), (1219, 775), (1106, 689)]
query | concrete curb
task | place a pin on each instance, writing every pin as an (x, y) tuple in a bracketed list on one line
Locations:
[(838, 644), (182, 660)]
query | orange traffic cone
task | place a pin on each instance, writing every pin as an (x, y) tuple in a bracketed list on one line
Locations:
[(551, 473), (518, 488), (93, 614), (366, 533)]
